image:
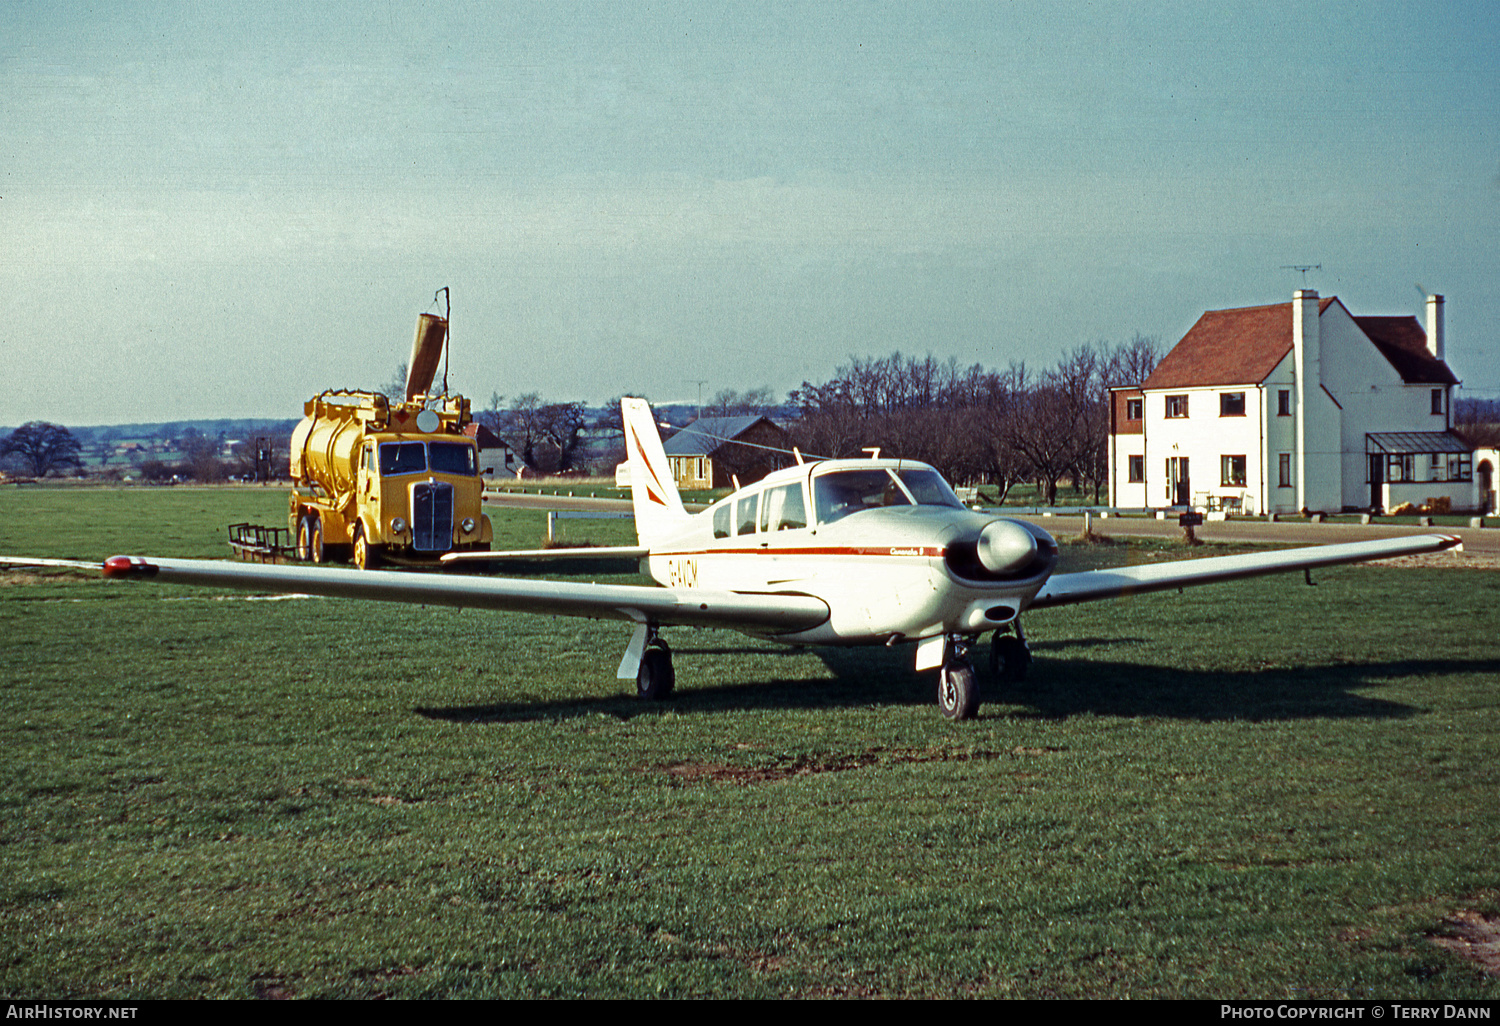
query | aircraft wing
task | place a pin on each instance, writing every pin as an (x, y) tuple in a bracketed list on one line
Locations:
[(1092, 585), (24, 561), (694, 607), (560, 553)]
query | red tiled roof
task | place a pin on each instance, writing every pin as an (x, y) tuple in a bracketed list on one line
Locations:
[(1402, 341), (1243, 346)]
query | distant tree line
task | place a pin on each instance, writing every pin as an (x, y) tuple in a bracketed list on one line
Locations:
[(1477, 421), (39, 448), (977, 426)]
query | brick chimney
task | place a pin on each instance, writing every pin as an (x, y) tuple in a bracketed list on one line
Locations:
[(1435, 326)]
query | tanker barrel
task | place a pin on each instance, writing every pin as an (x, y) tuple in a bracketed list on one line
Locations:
[(426, 350)]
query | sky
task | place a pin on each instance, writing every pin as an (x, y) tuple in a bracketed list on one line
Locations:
[(219, 210)]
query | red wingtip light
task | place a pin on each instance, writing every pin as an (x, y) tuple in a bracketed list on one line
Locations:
[(128, 566)]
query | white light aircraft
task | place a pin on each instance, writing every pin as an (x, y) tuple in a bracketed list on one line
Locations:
[(833, 552)]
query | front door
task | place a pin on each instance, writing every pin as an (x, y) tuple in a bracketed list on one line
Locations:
[(1377, 481), (1179, 490)]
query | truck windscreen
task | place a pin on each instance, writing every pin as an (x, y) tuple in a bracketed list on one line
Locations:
[(439, 457), (452, 458)]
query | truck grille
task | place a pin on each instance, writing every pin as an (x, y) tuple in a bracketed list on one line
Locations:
[(432, 516)]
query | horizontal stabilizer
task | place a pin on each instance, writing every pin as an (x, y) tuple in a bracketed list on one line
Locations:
[(1093, 585)]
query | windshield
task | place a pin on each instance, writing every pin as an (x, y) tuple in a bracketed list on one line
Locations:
[(843, 492), (415, 457), (452, 458)]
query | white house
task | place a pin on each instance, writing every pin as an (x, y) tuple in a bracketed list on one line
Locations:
[(1290, 407)]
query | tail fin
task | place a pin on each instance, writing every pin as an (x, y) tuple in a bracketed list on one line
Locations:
[(658, 507)]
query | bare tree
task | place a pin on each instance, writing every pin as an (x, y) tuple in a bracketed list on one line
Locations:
[(42, 447), (548, 437), (751, 402)]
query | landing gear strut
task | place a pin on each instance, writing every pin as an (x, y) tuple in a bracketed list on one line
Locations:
[(958, 687), (656, 679)]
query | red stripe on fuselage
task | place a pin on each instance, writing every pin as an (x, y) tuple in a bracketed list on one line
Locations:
[(899, 551)]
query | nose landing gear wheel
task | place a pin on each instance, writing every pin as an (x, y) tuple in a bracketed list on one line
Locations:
[(958, 691)]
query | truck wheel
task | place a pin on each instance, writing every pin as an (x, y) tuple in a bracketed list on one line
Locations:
[(315, 542), (366, 556), (304, 539)]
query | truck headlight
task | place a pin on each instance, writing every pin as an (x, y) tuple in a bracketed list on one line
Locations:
[(398, 526), (468, 525)]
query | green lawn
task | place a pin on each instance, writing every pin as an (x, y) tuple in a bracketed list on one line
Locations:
[(1251, 790)]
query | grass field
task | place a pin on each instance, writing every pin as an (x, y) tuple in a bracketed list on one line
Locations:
[(1252, 790)]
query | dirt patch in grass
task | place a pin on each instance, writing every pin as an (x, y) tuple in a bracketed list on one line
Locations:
[(721, 773), (1472, 936), (803, 765)]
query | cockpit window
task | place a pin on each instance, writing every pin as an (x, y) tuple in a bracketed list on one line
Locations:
[(843, 492), (781, 509), (928, 488), (744, 514)]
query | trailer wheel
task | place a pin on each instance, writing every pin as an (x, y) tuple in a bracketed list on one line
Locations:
[(304, 539)]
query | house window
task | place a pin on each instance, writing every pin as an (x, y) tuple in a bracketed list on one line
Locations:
[(1176, 406), (1400, 467), (1232, 470), (1284, 462), (1437, 402), (1137, 469), (1460, 466), (1231, 404), (1133, 409), (1436, 466), (1284, 402)]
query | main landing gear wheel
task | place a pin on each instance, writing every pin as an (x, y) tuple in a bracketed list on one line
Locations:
[(1009, 658), (656, 679), (958, 690)]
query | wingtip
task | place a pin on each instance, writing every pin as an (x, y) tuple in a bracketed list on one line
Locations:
[(128, 566)]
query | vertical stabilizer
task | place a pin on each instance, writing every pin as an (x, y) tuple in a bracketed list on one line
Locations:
[(658, 507)]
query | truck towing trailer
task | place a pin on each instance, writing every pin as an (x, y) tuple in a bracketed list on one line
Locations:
[(378, 479)]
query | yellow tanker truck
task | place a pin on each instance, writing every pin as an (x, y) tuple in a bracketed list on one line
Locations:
[(377, 479)]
